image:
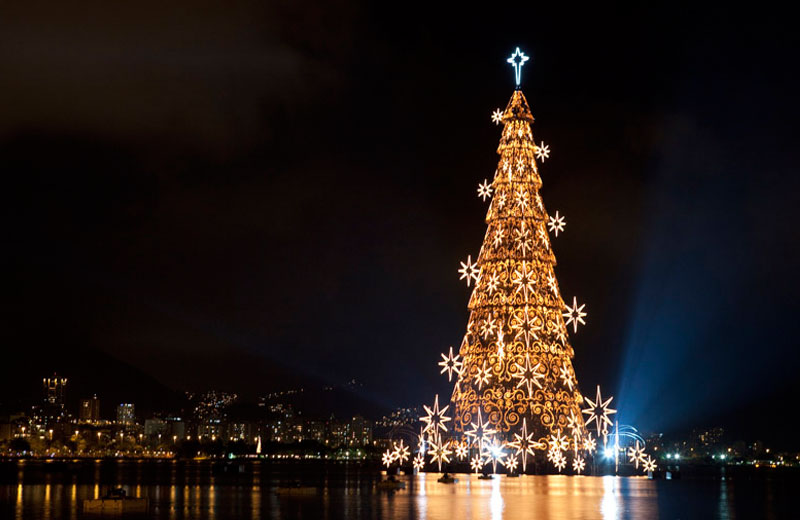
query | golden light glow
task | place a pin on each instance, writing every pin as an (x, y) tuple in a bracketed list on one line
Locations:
[(517, 369)]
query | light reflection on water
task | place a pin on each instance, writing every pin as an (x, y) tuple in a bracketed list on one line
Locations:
[(353, 495)]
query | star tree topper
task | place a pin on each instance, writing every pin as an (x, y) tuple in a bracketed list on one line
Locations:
[(517, 60)]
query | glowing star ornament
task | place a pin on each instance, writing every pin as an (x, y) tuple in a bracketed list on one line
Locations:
[(461, 450), (523, 444), (469, 270), (440, 452), (522, 237), (636, 455), (498, 236), (435, 418), (649, 464), (489, 326), (542, 152), (450, 364), (551, 283), (517, 60), (511, 463), (480, 434), (558, 441), (492, 283), (387, 458), (522, 199), (497, 116), (556, 224), (589, 444), (483, 375), (575, 314), (401, 452), (476, 463), (598, 413), (526, 324), (494, 453), (528, 375), (567, 377), (419, 461), (485, 190), (578, 465), (560, 461)]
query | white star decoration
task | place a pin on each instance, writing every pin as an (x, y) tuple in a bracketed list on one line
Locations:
[(575, 314), (566, 377), (419, 461), (476, 463), (578, 465), (598, 413), (485, 190), (498, 236), (440, 452), (469, 270), (435, 418), (489, 326), (492, 283), (556, 224), (649, 464), (523, 443), (497, 117), (450, 364), (483, 375), (401, 452), (636, 454), (528, 375), (542, 152), (480, 433)]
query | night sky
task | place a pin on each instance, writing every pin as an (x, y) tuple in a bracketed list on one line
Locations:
[(255, 195)]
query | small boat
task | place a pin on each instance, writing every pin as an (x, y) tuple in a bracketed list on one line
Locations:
[(447, 479), (513, 475), (115, 502), (390, 484), (295, 488), (485, 477)]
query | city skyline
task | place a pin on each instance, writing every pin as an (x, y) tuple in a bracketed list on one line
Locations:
[(272, 208)]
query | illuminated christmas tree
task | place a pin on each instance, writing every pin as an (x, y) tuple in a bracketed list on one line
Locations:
[(515, 362)]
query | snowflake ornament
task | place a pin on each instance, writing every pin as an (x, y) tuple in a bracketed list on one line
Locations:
[(419, 461), (649, 464), (401, 452), (497, 240), (461, 450), (559, 441), (497, 117), (556, 224), (469, 270), (485, 190), (450, 364), (492, 283), (387, 458), (560, 461), (575, 314), (476, 463), (589, 444), (542, 152), (511, 463), (578, 465)]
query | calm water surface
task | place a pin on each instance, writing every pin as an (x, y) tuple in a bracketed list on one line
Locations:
[(208, 491)]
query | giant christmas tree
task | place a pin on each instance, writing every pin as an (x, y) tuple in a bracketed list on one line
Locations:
[(516, 383)]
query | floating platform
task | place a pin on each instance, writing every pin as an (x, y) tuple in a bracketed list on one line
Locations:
[(390, 484), (447, 479), (115, 505)]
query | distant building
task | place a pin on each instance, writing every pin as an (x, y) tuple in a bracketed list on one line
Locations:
[(155, 426), (54, 389), (52, 409), (126, 414), (90, 410)]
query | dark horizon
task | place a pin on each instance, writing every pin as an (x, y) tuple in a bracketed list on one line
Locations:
[(268, 195)]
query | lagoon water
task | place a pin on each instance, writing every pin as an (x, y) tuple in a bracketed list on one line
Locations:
[(206, 490)]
